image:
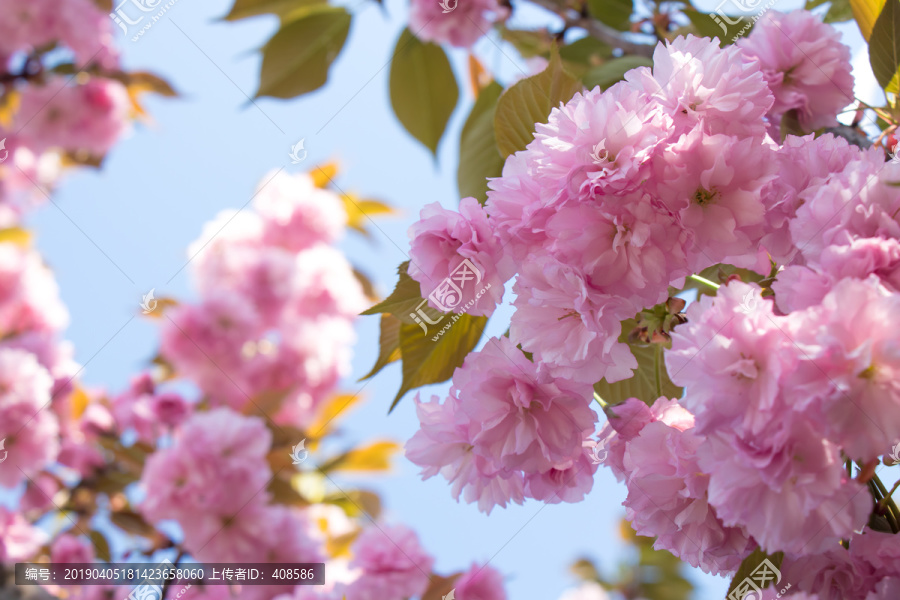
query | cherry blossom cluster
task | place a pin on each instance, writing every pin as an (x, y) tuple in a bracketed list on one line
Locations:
[(51, 113), (627, 191), (277, 302), (454, 22)]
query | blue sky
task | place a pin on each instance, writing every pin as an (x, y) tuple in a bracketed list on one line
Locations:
[(119, 232)]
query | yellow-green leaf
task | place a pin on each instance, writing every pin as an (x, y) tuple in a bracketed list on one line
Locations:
[(424, 91), (529, 101), (429, 358), (328, 412), (389, 344), (479, 157), (884, 46), (404, 300), (360, 211), (101, 546), (866, 13), (297, 58), (374, 457)]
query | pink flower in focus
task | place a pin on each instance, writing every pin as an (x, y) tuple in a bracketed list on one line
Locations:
[(459, 23), (480, 583), (442, 445), (520, 418), (788, 489), (805, 65), (572, 329), (394, 564), (848, 380), (733, 358), (696, 82), (442, 240), (668, 499)]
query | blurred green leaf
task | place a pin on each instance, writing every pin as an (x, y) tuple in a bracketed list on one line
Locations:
[(283, 8), (884, 46), (297, 58), (479, 157), (613, 71), (615, 13), (706, 26), (529, 101), (424, 91), (584, 54), (101, 546), (529, 42), (650, 379)]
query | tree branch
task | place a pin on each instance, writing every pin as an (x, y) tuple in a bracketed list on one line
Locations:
[(595, 28)]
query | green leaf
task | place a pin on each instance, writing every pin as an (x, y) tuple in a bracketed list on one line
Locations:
[(423, 89), (838, 12), (283, 8), (706, 26), (529, 101), (884, 46), (297, 58), (613, 71), (529, 43), (479, 157), (751, 563), (584, 54), (615, 13), (389, 344), (650, 379), (866, 13), (404, 300), (426, 360)]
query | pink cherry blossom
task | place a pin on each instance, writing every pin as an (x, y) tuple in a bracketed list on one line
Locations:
[(480, 583), (297, 213), (19, 541), (571, 328), (456, 22), (668, 498), (804, 64), (216, 468), (695, 82), (394, 564), (27, 422), (441, 242)]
